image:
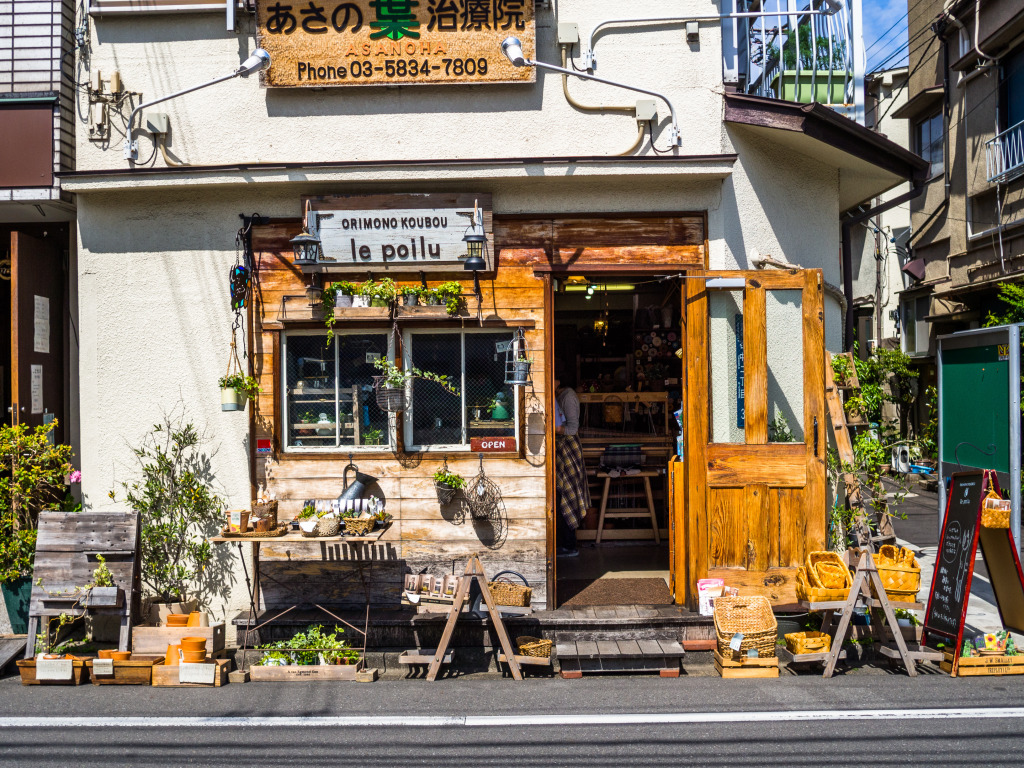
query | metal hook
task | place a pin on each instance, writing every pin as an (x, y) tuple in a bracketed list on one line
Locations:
[(990, 452)]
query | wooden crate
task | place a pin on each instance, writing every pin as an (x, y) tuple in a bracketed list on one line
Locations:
[(746, 667), (300, 673), (419, 312), (984, 665), (136, 671), (166, 675), (79, 673), (362, 313), (153, 641)]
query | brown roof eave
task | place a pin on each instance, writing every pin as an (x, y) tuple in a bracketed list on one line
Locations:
[(828, 126)]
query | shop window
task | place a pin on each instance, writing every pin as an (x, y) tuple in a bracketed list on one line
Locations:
[(329, 402), (725, 328), (784, 332), (928, 142), (1012, 91), (485, 405)]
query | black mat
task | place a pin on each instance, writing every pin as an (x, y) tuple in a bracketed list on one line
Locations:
[(576, 593)]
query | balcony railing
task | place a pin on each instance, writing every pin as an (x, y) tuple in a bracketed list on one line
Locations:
[(797, 50), (1004, 155)]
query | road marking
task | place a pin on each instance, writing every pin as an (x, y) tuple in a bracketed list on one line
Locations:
[(497, 721)]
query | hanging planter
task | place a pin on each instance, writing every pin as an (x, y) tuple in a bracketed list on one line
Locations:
[(230, 400), (447, 483), (391, 386), (390, 399), (517, 359), (235, 386)]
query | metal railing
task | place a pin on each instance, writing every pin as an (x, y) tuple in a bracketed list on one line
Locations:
[(1004, 154), (793, 52)]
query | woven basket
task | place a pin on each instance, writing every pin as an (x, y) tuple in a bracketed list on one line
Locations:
[(506, 593), (279, 531), (899, 581), (445, 493), (327, 526), (994, 517), (804, 591), (750, 615), (534, 646), (358, 526), (826, 570), (808, 642), (391, 399), (265, 509)]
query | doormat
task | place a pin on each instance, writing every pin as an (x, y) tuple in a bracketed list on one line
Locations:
[(576, 593)]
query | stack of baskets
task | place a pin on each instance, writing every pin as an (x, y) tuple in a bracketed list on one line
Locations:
[(750, 615), (825, 578), (507, 593), (899, 572)]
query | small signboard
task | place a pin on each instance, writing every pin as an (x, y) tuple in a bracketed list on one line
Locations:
[(203, 674), (103, 667), (492, 444), (393, 42), (54, 669)]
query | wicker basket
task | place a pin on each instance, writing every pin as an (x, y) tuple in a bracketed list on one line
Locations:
[(808, 642), (327, 526), (507, 593), (445, 493), (995, 517), (358, 526), (899, 572), (804, 590), (534, 646), (265, 509), (826, 570), (750, 615), (391, 399)]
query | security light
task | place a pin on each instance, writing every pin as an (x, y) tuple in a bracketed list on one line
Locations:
[(513, 50), (258, 61)]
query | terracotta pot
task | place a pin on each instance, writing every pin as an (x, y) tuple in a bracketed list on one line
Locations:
[(120, 655), (158, 612), (193, 657), (262, 525), (104, 654), (177, 620), (171, 659), (193, 644), (195, 619)]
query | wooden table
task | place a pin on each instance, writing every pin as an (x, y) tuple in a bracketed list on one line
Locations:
[(614, 512)]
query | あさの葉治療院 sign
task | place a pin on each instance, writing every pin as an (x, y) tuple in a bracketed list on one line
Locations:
[(321, 43), (396, 232)]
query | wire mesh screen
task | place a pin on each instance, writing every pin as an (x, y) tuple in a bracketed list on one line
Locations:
[(485, 407), (330, 391)]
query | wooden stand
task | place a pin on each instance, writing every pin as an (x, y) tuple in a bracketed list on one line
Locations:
[(883, 619), (746, 667), (441, 655)]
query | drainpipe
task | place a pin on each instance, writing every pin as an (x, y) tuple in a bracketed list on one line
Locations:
[(848, 225)]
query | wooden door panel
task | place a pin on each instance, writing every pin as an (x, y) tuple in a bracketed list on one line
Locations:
[(730, 464), (728, 524), (792, 538)]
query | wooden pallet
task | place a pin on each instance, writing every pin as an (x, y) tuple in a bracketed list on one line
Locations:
[(576, 657), (746, 667), (154, 640)]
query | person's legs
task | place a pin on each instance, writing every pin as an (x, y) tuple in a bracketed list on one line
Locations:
[(565, 537)]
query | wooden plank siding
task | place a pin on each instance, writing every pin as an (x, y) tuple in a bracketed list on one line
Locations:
[(426, 536)]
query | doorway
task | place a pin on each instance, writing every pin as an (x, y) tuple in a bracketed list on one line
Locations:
[(617, 341)]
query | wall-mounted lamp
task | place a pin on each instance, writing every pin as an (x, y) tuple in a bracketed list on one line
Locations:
[(314, 293), (258, 61), (513, 50), (475, 240), (306, 247)]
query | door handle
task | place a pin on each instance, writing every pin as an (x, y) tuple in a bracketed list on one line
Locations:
[(815, 437)]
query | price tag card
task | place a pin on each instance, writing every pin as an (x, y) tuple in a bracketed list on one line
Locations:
[(205, 674), (103, 667), (54, 669), (736, 641)]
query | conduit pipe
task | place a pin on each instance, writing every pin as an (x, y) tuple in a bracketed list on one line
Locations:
[(611, 109)]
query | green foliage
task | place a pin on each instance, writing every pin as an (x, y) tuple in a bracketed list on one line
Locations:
[(841, 369), (373, 436), (33, 478), (903, 613), (173, 493), (837, 60), (779, 431), (328, 298), (928, 441), (413, 290), (446, 477), (245, 386), (101, 576), (308, 511), (449, 293), (306, 647), (885, 367), (394, 377), (1012, 297)]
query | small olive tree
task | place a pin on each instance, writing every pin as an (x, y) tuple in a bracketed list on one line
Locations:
[(173, 494)]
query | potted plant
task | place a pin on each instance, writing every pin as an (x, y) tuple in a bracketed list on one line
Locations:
[(384, 293), (373, 436), (520, 371), (411, 295), (856, 410), (307, 417), (449, 294), (447, 484), (343, 291), (172, 491), (363, 294), (235, 389), (841, 370), (35, 478), (390, 385)]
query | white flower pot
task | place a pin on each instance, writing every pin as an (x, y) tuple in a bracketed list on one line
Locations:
[(342, 300), (230, 400), (360, 301)]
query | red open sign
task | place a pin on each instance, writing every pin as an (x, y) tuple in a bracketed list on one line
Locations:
[(492, 444)]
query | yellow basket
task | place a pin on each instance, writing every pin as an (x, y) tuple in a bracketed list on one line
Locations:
[(804, 591), (826, 570), (506, 593), (808, 642), (534, 646), (899, 572), (994, 517)]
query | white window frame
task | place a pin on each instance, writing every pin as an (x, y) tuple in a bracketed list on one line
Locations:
[(283, 383), (407, 428)]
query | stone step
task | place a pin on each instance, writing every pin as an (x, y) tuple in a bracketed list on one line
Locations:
[(579, 657)]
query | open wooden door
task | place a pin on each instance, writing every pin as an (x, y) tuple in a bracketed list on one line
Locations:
[(37, 332), (755, 429)]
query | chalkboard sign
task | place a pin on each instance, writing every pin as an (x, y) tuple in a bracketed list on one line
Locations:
[(954, 561)]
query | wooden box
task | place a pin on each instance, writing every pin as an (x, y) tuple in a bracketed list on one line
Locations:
[(79, 673), (362, 313), (296, 673), (431, 312), (984, 665), (166, 676), (746, 667), (136, 671), (154, 640)]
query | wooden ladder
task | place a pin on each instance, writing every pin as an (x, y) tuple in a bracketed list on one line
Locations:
[(884, 533)]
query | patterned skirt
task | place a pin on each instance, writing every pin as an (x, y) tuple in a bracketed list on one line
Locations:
[(572, 490)]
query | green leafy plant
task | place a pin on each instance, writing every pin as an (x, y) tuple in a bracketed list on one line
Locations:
[(394, 377), (173, 492), (305, 648), (443, 476), (245, 386), (841, 369), (308, 511), (413, 290), (385, 292), (450, 294), (373, 436), (903, 613), (885, 377), (308, 417), (820, 53), (927, 441), (779, 431), (1012, 310), (101, 576), (33, 478)]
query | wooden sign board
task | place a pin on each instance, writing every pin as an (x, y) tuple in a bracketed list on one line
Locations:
[(328, 43), (396, 233), (492, 444)]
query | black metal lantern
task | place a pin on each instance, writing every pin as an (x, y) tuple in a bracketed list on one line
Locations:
[(475, 240), (314, 293), (306, 246)]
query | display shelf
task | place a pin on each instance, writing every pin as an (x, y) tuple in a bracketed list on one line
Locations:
[(805, 658)]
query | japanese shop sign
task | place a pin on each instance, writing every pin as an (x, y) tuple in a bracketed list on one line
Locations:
[(318, 43), (396, 233)]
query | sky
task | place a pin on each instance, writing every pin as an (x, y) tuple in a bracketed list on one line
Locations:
[(881, 38)]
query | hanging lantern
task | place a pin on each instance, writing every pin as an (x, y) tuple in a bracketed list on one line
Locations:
[(517, 360), (314, 293), (475, 240), (306, 246)]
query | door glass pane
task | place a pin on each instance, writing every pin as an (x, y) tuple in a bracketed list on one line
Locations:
[(784, 330), (725, 371)]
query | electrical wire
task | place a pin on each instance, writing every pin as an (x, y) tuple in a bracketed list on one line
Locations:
[(650, 124)]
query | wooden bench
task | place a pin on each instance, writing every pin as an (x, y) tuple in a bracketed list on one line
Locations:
[(578, 656)]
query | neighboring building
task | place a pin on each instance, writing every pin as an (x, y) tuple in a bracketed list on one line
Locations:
[(966, 117), (577, 204), (38, 343)]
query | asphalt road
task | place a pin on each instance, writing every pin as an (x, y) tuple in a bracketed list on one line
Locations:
[(774, 739)]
